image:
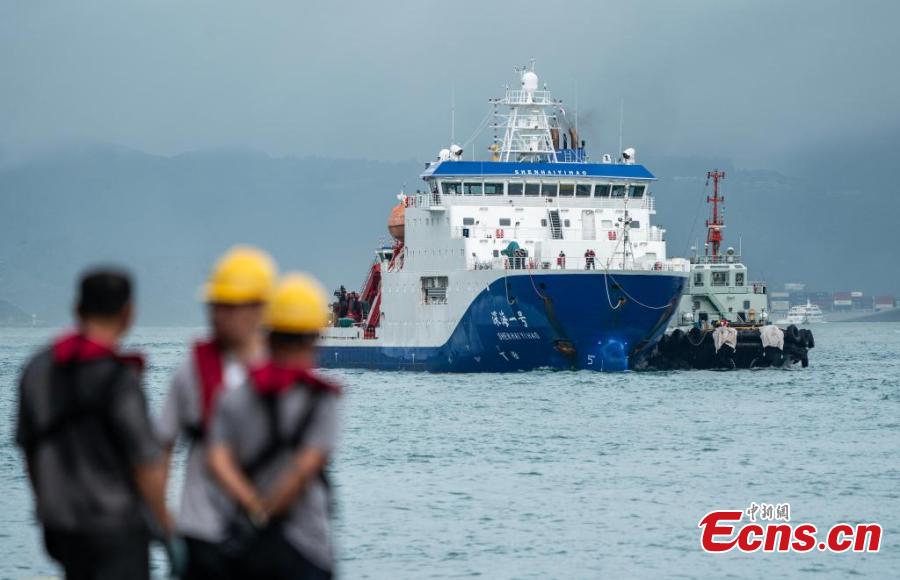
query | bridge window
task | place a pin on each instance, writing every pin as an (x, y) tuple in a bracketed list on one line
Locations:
[(618, 191), (472, 188), (452, 187), (493, 189), (566, 189), (739, 279), (468, 221), (515, 188), (583, 190), (636, 191), (505, 221), (433, 185), (532, 188), (698, 281), (550, 189), (635, 224), (720, 278), (601, 190)]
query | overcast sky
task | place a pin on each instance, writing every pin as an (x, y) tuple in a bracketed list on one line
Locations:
[(742, 79)]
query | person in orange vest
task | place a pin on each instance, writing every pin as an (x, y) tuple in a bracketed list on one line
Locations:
[(92, 456), (271, 441), (235, 295)]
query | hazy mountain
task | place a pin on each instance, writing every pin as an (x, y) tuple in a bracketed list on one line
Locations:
[(167, 218)]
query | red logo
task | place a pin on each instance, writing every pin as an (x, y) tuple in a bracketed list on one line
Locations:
[(722, 531)]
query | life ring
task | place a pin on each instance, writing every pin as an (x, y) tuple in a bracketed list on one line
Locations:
[(499, 233)]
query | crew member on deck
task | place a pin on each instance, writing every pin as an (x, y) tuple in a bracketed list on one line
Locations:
[(235, 294), (561, 260), (92, 457), (270, 443), (589, 259)]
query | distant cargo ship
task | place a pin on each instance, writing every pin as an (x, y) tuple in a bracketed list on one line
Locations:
[(535, 258)]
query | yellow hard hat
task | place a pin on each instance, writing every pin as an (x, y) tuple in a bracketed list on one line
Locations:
[(243, 275), (298, 305)]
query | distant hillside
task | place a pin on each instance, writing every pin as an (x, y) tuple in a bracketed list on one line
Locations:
[(168, 218)]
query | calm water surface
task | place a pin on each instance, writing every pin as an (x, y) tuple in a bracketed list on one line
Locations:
[(574, 474)]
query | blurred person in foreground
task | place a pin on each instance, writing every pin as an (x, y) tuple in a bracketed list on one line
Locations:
[(93, 461), (271, 441), (235, 295)]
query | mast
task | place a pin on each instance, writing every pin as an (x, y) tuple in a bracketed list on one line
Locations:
[(715, 225), (527, 123)]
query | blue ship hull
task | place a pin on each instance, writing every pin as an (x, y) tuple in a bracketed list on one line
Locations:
[(586, 320)]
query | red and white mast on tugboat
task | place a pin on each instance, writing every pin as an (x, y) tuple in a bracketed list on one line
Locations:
[(714, 226)]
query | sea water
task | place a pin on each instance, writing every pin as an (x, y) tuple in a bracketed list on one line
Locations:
[(572, 474)]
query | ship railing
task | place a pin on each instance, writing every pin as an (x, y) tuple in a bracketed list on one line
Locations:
[(573, 264), (758, 287), (520, 234), (424, 200), (646, 202), (522, 97), (571, 155), (726, 259)]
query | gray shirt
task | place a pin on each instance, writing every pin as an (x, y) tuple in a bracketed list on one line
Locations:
[(204, 506), (83, 476), (241, 423)]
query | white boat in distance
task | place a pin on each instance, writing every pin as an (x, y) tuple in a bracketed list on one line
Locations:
[(808, 313)]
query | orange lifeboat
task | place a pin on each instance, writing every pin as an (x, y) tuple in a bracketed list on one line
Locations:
[(397, 222)]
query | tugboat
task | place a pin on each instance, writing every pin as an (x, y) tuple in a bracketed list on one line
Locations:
[(719, 286), (723, 319), (534, 258)]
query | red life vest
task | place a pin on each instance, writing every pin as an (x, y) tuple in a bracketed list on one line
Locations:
[(208, 362), (76, 347), (272, 379)]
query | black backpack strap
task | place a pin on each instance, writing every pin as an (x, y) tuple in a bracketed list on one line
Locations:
[(73, 409), (276, 443)]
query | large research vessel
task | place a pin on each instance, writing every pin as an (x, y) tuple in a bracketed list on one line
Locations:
[(536, 258)]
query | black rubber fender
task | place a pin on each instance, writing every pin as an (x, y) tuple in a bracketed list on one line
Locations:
[(792, 333), (774, 356), (725, 357), (695, 335), (810, 341)]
